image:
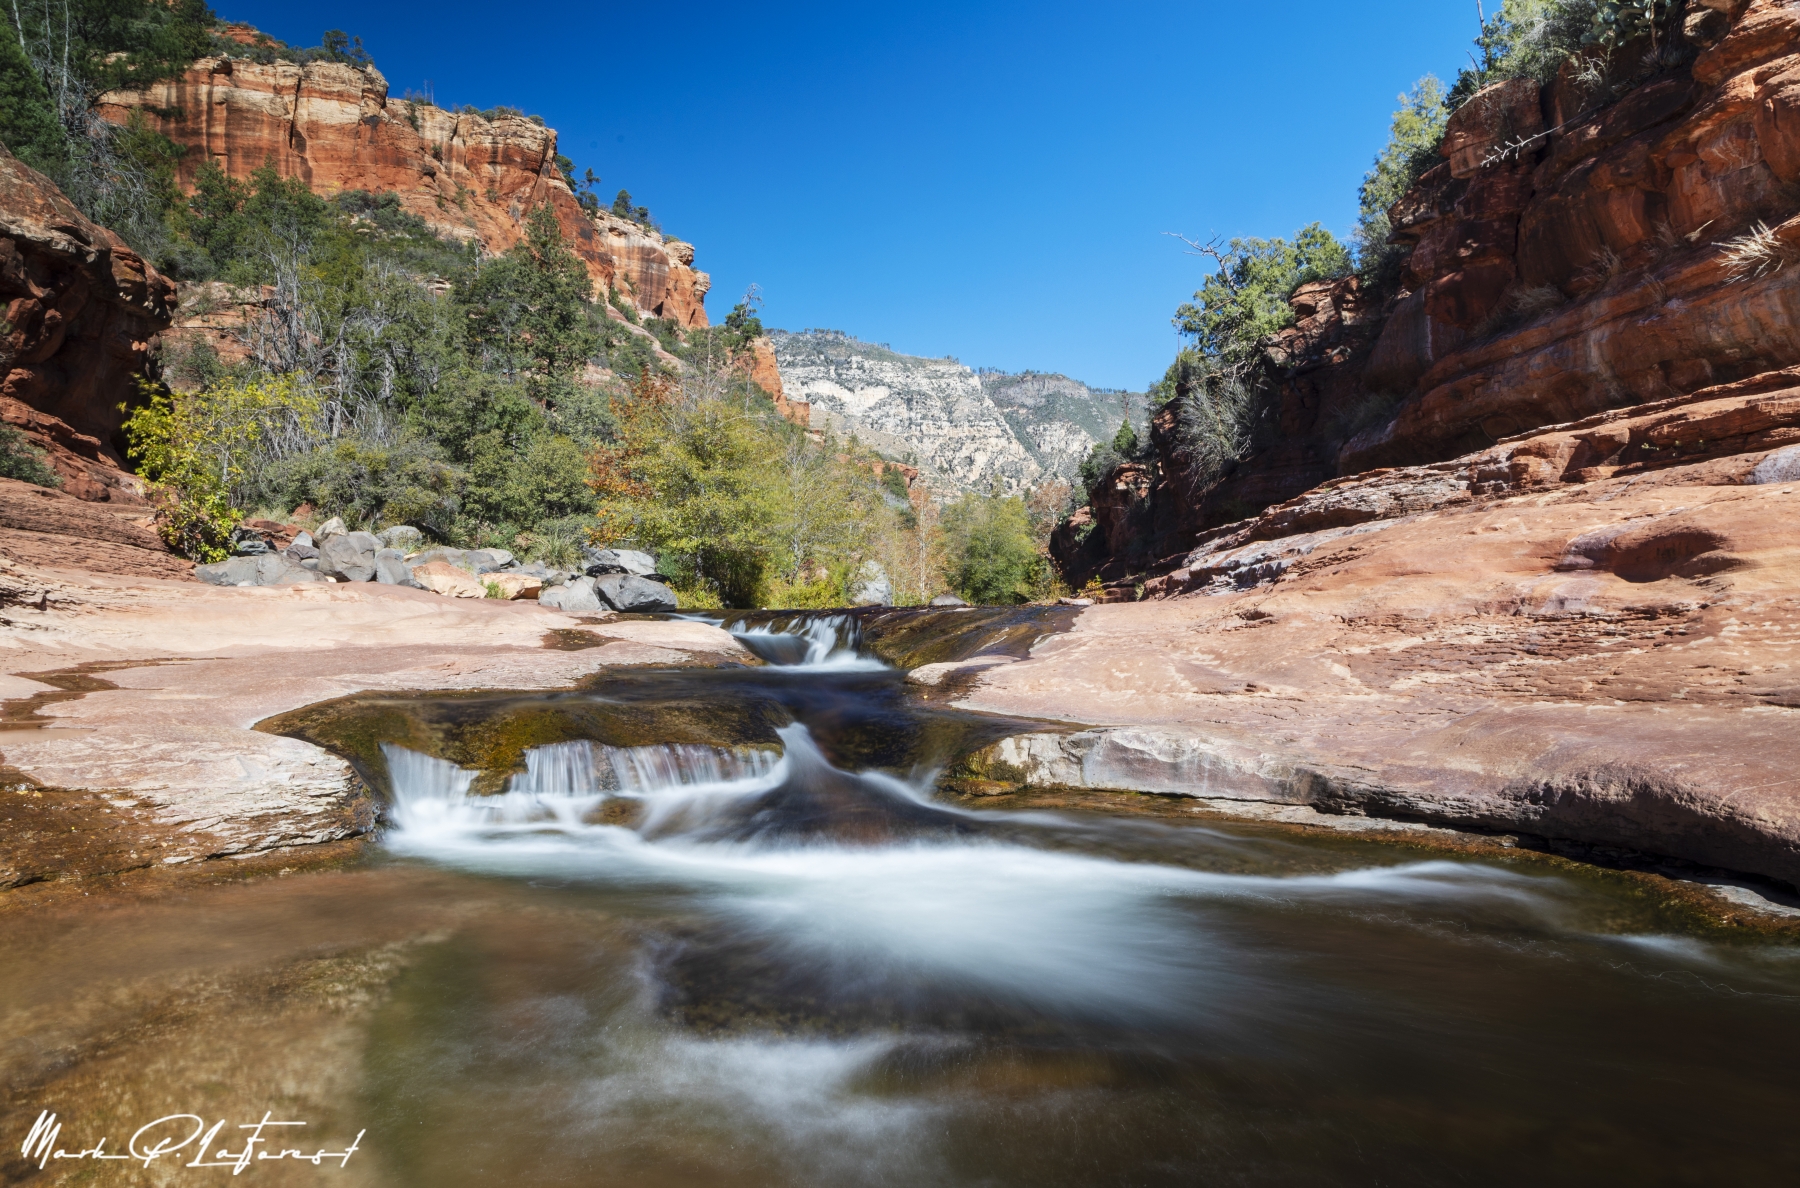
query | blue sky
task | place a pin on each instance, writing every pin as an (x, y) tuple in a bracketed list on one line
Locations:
[(984, 180)]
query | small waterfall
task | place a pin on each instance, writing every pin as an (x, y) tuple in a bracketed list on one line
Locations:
[(563, 783), (818, 643)]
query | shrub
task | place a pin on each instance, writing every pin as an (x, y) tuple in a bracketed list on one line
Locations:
[(21, 460), (367, 483), (194, 449), (1414, 134), (993, 558)]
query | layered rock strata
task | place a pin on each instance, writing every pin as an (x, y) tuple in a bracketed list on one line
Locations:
[(467, 176), (81, 310), (1588, 636), (931, 412), (1573, 253)]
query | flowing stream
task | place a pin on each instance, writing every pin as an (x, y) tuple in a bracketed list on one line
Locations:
[(781, 959)]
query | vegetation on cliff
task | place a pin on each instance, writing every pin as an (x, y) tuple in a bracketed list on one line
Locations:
[(1218, 402)]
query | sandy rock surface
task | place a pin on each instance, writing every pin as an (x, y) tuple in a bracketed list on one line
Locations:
[(168, 750), (1615, 662)]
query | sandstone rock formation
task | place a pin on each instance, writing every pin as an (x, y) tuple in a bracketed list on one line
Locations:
[(156, 756), (81, 310), (469, 177), (1572, 254), (53, 530), (1588, 636)]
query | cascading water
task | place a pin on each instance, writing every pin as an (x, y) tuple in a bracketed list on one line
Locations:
[(814, 643), (790, 964)]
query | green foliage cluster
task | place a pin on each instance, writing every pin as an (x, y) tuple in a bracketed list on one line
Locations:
[(993, 555), (741, 507), (1245, 300), (624, 208), (21, 460), (1534, 38), (461, 414), (1414, 134)]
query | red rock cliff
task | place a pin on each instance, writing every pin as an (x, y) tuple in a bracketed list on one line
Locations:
[(79, 312), (333, 125), (1568, 256)]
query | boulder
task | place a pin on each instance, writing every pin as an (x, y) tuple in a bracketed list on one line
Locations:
[(515, 585), (444, 553), (948, 600), (578, 597), (301, 552), (335, 526), (350, 556), (630, 593), (391, 569), (487, 560), (441, 577), (247, 542), (269, 569), (871, 587), (403, 537), (602, 561)]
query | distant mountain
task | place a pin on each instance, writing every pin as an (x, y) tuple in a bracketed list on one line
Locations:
[(966, 431), (1058, 419)]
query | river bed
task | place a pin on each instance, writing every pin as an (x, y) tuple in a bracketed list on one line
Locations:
[(760, 951)]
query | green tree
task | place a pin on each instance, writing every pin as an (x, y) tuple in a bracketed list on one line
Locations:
[(1246, 298), (527, 311), (993, 558), (1414, 134), (28, 123)]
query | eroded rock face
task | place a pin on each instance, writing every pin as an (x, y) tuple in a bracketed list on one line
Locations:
[(53, 530), (1567, 257), (470, 178), (80, 312), (1589, 636)]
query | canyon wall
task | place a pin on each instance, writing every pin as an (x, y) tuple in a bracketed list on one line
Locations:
[(81, 310), (468, 177), (1568, 256)]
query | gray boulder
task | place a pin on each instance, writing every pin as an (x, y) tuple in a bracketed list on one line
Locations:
[(350, 557), (487, 560), (247, 542), (948, 600), (631, 594), (335, 526), (578, 597), (602, 561), (300, 552), (871, 587), (403, 537), (269, 569), (444, 553), (391, 569), (305, 541)]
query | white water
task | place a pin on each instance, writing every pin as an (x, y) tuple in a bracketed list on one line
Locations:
[(829, 643), (1064, 930)]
